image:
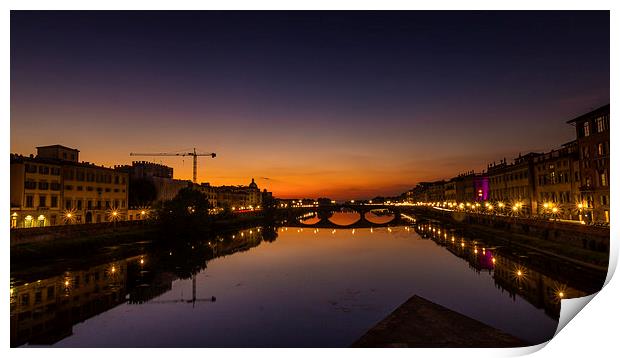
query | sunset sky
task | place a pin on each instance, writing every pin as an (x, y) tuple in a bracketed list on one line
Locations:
[(347, 105)]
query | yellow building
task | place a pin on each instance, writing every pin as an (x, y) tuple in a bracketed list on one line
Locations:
[(237, 197), (557, 182), (54, 188), (36, 192), (513, 184)]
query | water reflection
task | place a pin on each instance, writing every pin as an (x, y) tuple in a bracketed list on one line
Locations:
[(379, 216), (44, 311), (509, 270), (302, 287), (345, 217)]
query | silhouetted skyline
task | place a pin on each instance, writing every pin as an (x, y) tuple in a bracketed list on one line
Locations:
[(340, 104)]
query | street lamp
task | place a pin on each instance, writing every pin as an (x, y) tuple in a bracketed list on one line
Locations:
[(555, 210)]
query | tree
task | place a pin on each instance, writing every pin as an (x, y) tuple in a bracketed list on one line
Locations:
[(142, 192), (324, 201), (187, 213)]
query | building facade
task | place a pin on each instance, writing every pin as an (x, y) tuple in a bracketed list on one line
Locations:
[(571, 182), (513, 184), (592, 130), (160, 176), (54, 188), (234, 196), (556, 183)]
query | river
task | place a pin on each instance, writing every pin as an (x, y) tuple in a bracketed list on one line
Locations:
[(282, 287)]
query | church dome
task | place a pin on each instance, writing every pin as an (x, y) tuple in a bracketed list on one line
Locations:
[(253, 185)]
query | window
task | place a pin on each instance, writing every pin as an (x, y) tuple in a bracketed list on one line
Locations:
[(25, 299), (68, 187), (107, 204), (43, 185), (116, 179), (604, 179), (586, 129), (89, 205), (50, 292), (29, 201), (31, 168), (600, 149), (68, 204), (80, 188), (107, 190), (42, 201), (600, 124), (54, 202), (89, 188), (79, 204), (29, 184), (80, 175), (55, 186), (55, 171), (603, 200), (43, 169)]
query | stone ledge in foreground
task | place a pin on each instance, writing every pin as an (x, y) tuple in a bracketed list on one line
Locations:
[(421, 323)]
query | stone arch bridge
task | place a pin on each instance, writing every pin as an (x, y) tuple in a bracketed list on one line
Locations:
[(324, 212)]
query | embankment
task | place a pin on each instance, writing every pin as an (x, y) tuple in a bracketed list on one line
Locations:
[(582, 245)]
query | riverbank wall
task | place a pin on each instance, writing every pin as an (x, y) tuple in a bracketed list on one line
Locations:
[(587, 237), (67, 232), (575, 244)]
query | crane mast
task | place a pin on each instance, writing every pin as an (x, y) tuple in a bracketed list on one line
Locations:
[(193, 154)]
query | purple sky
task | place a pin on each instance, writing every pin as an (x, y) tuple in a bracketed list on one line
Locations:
[(339, 104)]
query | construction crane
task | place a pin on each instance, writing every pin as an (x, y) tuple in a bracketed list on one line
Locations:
[(192, 154), (181, 300)]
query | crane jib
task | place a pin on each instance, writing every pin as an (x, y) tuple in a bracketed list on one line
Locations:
[(193, 154)]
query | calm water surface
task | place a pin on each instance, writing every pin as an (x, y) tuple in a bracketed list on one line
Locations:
[(305, 288)]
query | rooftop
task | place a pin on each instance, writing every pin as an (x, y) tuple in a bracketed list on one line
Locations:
[(597, 112), (57, 146)]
